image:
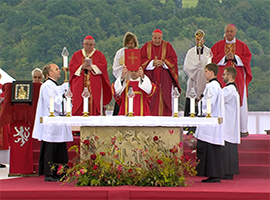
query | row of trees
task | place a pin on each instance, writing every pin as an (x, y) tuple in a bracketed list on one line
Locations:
[(33, 32)]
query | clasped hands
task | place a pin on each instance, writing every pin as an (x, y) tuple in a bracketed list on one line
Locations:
[(158, 63), (230, 56)]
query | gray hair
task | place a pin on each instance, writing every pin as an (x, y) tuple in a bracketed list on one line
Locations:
[(36, 70)]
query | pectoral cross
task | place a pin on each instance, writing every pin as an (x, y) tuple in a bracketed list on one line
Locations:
[(132, 57)]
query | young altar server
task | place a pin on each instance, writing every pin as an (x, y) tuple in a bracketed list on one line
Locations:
[(133, 76), (232, 119), (210, 138)]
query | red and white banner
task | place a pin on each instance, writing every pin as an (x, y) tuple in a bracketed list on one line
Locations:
[(21, 148)]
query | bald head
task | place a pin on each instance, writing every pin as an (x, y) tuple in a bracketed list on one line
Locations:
[(230, 32)]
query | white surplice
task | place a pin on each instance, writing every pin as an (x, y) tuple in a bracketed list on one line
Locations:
[(213, 135), (51, 133)]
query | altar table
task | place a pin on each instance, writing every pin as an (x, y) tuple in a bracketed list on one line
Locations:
[(132, 132)]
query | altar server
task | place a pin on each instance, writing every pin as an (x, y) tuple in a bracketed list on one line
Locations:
[(210, 138), (232, 119), (53, 138)]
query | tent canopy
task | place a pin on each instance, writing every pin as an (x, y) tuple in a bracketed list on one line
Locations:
[(6, 78)]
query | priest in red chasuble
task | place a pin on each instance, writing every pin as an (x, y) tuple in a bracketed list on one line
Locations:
[(133, 77), (159, 61), (88, 68), (231, 51)]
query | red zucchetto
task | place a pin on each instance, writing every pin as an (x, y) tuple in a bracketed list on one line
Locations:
[(89, 37), (157, 31)]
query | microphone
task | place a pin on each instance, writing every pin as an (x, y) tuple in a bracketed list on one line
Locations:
[(86, 71), (202, 96)]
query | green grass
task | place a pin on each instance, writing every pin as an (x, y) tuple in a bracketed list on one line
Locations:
[(189, 3)]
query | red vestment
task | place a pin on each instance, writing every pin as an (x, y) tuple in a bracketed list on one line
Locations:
[(94, 83), (140, 100), (240, 49), (164, 79)]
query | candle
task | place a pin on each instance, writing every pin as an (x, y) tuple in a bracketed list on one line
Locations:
[(175, 105), (68, 104), (85, 104), (208, 106), (51, 105), (65, 61), (192, 105), (130, 104)]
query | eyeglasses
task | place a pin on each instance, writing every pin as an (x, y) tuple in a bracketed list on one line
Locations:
[(39, 77)]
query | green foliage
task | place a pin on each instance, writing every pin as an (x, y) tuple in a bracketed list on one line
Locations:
[(33, 32)]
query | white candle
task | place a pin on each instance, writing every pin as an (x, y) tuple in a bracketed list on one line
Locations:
[(85, 105), (51, 105), (192, 105), (65, 61), (175, 105), (130, 105), (68, 104), (208, 106)]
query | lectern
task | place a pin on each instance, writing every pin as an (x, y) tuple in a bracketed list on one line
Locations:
[(21, 117)]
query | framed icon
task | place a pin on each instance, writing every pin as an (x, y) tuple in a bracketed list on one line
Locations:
[(22, 92)]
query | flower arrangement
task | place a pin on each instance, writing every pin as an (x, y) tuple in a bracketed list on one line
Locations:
[(99, 164)]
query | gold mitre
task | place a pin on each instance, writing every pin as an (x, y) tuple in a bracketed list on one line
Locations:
[(199, 34)]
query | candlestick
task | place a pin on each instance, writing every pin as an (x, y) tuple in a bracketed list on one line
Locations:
[(65, 56), (208, 107), (68, 95), (51, 107), (175, 96), (85, 96), (192, 107), (130, 95), (85, 104), (208, 97), (192, 96)]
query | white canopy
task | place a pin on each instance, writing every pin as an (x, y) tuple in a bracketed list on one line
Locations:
[(6, 78)]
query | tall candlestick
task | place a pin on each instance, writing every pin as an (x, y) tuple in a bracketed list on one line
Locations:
[(130, 104), (51, 105), (208, 106), (175, 105), (65, 56), (192, 105), (65, 60), (85, 104), (68, 104)]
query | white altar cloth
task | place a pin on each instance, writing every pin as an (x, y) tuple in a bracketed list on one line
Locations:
[(131, 121)]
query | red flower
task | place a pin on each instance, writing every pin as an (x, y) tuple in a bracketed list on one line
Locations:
[(159, 161), (150, 166), (70, 165), (155, 138), (171, 131), (102, 153), (95, 167), (174, 150), (93, 156), (180, 144), (130, 170), (86, 142)]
